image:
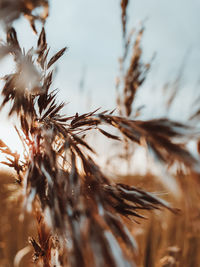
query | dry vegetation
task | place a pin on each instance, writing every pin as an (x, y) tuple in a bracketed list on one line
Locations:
[(77, 215)]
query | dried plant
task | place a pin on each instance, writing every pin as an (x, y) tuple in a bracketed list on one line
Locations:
[(11, 10), (81, 213), (124, 4), (133, 78)]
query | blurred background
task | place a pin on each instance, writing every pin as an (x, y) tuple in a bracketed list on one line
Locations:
[(86, 77)]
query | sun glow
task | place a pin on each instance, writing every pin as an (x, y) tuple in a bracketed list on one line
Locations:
[(10, 137)]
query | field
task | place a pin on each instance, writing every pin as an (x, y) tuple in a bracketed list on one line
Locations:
[(164, 239), (59, 205)]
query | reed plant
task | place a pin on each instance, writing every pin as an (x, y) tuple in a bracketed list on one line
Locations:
[(81, 216)]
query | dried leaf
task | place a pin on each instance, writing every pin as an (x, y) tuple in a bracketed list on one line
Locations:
[(56, 57)]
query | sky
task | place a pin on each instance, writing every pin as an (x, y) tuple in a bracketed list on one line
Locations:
[(92, 32)]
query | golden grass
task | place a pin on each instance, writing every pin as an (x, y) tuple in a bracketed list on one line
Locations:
[(163, 239), (79, 217)]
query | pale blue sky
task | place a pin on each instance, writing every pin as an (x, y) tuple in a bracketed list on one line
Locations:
[(91, 30)]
